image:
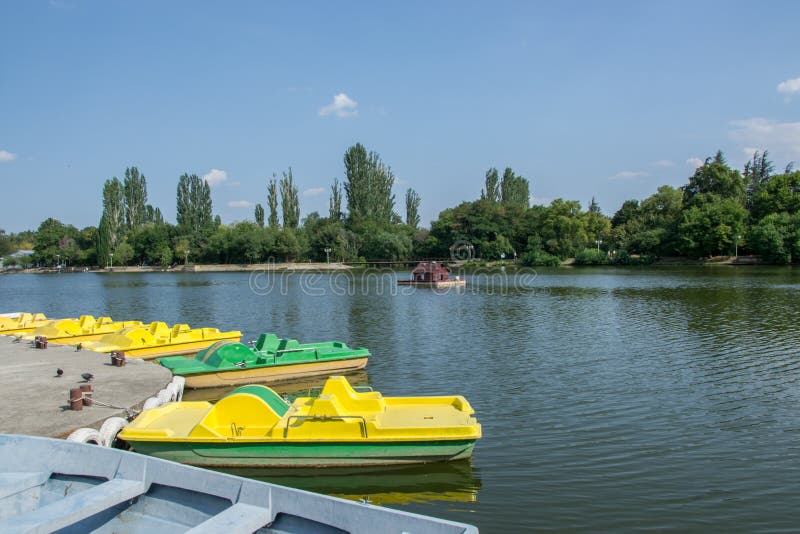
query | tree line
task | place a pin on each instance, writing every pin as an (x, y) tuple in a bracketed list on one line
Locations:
[(720, 211)]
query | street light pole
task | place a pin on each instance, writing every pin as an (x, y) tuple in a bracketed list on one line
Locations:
[(112, 260), (327, 255), (58, 261), (736, 246), (598, 241)]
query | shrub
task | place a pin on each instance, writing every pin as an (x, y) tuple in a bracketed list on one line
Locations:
[(540, 257), (590, 256)]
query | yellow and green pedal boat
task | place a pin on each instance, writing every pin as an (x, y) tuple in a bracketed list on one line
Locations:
[(254, 427), (157, 339), (24, 323), (228, 363), (86, 328)]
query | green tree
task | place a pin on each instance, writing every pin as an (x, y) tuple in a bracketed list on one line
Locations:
[(335, 211), (412, 208), (290, 202), (54, 242), (492, 191), (368, 186), (194, 208), (272, 202), (134, 191), (111, 229), (259, 215), (781, 193), (714, 177), (711, 228), (514, 190), (757, 173)]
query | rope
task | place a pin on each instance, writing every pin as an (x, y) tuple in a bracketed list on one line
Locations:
[(128, 413)]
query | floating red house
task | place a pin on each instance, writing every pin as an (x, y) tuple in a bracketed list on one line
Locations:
[(432, 274)]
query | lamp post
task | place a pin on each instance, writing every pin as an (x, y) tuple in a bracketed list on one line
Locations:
[(327, 255), (112, 260), (58, 261), (736, 246), (186, 257), (599, 242)]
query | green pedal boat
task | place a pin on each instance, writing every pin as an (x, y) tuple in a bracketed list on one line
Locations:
[(228, 363)]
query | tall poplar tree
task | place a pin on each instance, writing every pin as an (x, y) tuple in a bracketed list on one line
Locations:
[(259, 215), (194, 208), (492, 191), (272, 202), (368, 186), (335, 209), (412, 208), (135, 195), (111, 229), (514, 190), (290, 201)]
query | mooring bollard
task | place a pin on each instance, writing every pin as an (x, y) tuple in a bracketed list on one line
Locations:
[(76, 399), (86, 394), (117, 358)]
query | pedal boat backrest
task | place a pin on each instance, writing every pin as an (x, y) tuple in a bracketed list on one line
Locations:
[(339, 398), (244, 412)]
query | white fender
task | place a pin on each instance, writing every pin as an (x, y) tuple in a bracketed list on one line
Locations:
[(111, 427), (163, 396), (152, 402), (180, 382), (86, 435), (173, 391)]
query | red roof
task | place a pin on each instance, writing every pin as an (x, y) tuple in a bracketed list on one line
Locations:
[(430, 267)]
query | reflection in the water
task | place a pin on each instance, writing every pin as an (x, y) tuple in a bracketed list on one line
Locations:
[(441, 481)]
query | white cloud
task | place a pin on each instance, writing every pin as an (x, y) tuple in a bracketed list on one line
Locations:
[(782, 139), (789, 86), (663, 163), (5, 156), (240, 204), (628, 175), (314, 191), (694, 162), (215, 177), (342, 106)]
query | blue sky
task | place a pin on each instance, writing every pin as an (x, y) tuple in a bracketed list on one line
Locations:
[(605, 99)]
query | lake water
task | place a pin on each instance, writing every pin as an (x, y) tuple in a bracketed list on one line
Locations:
[(610, 399)]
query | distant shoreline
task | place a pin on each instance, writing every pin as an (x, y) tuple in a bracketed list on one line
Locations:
[(328, 267), (196, 268)]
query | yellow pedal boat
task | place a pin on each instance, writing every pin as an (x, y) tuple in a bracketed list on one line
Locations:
[(253, 426), (86, 328), (157, 339), (24, 323)]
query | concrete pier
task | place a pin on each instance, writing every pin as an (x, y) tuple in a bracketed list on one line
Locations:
[(35, 401)]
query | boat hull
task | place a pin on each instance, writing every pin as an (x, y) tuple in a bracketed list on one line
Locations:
[(275, 373), (306, 454), (192, 347), (435, 284)]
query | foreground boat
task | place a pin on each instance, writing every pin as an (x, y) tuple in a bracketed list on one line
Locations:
[(23, 323), (51, 485), (86, 328), (253, 426), (157, 339), (271, 359)]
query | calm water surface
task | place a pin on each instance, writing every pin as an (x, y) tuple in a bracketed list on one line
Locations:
[(610, 399)]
